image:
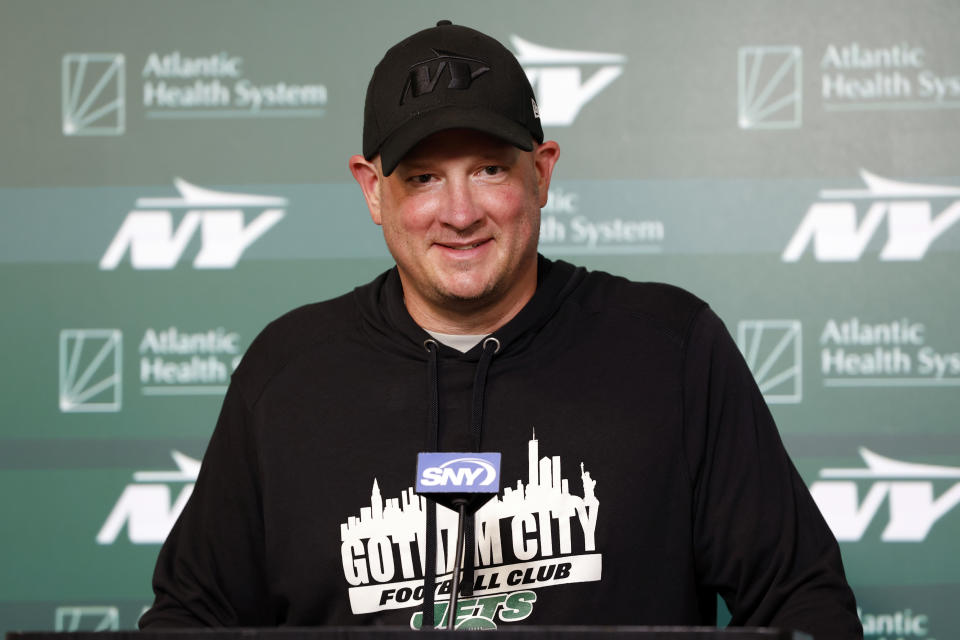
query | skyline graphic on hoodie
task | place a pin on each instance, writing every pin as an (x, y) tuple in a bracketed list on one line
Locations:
[(535, 534)]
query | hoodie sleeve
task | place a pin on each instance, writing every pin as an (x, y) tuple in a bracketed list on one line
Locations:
[(210, 571), (759, 539)]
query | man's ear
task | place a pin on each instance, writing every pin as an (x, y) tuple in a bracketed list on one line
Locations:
[(545, 156), (367, 175)]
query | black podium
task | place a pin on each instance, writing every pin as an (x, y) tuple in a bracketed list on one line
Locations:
[(402, 633)]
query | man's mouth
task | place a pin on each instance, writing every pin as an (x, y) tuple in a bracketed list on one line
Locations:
[(462, 247)]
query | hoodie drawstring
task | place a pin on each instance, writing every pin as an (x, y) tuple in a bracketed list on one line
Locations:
[(490, 347), (433, 440)]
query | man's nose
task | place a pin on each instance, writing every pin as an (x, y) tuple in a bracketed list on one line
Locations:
[(461, 208)]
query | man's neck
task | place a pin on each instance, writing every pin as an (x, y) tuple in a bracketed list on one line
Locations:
[(467, 317), (463, 321)]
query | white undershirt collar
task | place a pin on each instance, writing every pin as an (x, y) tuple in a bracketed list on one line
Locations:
[(460, 342)]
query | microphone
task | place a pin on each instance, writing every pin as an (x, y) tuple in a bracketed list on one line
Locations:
[(463, 482)]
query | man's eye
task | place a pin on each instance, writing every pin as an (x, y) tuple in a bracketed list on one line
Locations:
[(492, 170), (423, 178)]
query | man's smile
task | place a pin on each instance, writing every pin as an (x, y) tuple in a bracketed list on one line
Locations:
[(463, 246)]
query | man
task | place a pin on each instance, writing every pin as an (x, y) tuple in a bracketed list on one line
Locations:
[(645, 474)]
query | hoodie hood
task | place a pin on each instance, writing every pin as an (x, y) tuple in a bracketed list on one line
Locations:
[(389, 325)]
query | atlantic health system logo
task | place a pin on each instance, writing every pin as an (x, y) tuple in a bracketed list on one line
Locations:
[(91, 363), (583, 226), (92, 94), (173, 362), (886, 352), (149, 235), (175, 86), (773, 351), (769, 87), (899, 75), (831, 225)]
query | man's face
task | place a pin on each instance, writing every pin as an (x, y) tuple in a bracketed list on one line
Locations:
[(461, 217)]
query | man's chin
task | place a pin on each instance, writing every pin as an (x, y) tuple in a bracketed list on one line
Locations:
[(463, 296), (466, 297)]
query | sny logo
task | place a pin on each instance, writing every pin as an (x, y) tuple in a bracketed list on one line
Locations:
[(219, 216), (458, 472), (908, 485), (911, 229), (555, 76), (461, 70)]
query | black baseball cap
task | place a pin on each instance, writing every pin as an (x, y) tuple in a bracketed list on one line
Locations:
[(446, 77)]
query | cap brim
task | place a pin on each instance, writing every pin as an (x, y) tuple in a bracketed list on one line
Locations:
[(418, 128)]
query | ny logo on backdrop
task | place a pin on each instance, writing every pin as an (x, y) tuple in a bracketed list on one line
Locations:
[(148, 231), (86, 618), (145, 507), (831, 225), (907, 487), (557, 78)]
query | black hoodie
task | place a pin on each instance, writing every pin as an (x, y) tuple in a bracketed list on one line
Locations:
[(642, 473)]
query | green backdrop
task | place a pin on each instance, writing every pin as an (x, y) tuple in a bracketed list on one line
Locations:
[(174, 176)]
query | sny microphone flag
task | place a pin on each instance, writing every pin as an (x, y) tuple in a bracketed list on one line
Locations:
[(458, 472)]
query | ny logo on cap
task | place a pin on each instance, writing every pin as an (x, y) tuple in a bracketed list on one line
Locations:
[(462, 72)]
